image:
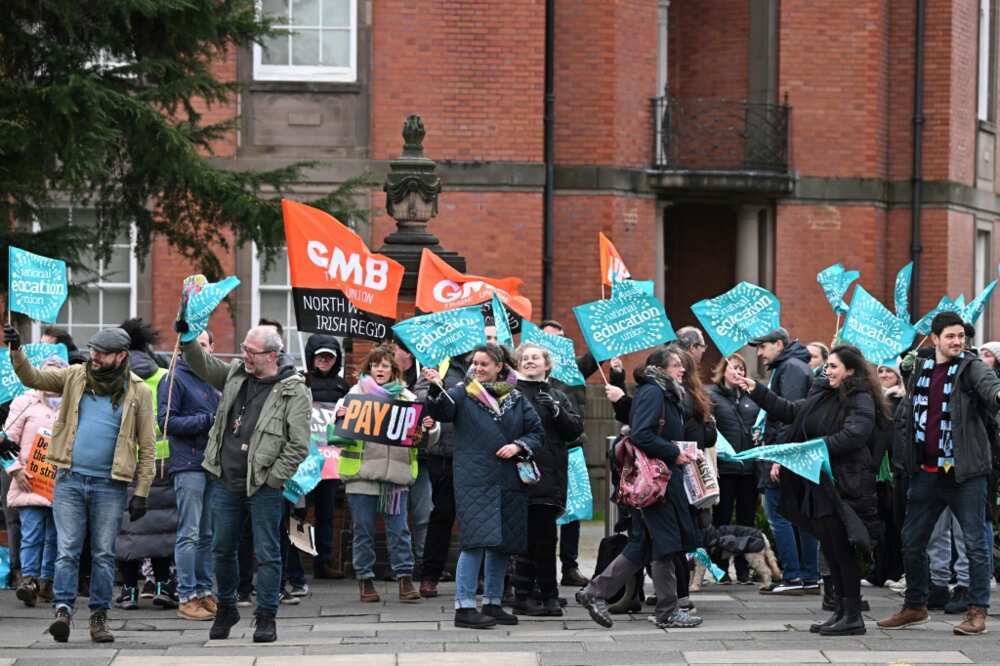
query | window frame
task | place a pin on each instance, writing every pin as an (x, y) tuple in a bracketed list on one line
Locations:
[(291, 323), (317, 73), (982, 251), (986, 57)]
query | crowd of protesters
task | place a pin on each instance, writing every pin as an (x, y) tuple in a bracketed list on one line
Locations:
[(170, 477)]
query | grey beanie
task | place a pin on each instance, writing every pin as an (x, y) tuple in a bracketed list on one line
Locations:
[(110, 341), (992, 347)]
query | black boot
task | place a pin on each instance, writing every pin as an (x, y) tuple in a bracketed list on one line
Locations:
[(851, 623), (225, 618), (830, 600), (838, 613), (266, 630), (499, 614), (470, 618)]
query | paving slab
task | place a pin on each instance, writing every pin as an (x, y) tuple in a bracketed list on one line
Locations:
[(755, 657), (465, 658), (895, 657), (331, 660), (184, 661)]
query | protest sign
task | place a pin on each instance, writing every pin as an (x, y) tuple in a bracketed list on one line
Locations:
[(619, 326), (612, 266), (901, 292), (835, 282), (338, 286), (302, 535), (373, 419), (306, 477), (39, 352), (564, 367), (440, 287), (37, 285), (579, 497), (946, 304), (323, 417), (738, 316), (501, 322), (807, 459), (434, 337), (199, 300), (974, 310), (41, 473), (879, 334), (331, 462), (633, 287)]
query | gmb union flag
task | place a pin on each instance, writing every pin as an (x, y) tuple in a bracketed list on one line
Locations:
[(338, 286), (440, 287)]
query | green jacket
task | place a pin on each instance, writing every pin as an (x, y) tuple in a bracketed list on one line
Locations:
[(281, 439)]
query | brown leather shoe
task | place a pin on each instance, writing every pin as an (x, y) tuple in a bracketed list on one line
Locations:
[(907, 617), (210, 604), (367, 591), (407, 593), (45, 594), (194, 610), (428, 589), (974, 622)]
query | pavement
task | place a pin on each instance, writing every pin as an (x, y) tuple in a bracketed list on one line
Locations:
[(331, 627)]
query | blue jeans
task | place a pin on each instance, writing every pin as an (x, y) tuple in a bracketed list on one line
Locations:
[(228, 512), (945, 531), (928, 495), (467, 576), (193, 548), (364, 509), (797, 549), (421, 506), (85, 505), (38, 542)]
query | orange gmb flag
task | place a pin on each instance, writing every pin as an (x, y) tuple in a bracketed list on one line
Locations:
[(334, 276), (441, 287), (612, 266)]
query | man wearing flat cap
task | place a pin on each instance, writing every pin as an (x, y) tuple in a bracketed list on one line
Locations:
[(101, 440)]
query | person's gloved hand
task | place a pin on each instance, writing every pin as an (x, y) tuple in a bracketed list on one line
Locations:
[(546, 401), (8, 447), (909, 361), (11, 338), (181, 326), (136, 508)]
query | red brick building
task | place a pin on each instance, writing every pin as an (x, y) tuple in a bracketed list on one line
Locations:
[(719, 181)]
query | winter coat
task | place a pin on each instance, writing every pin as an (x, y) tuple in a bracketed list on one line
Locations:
[(972, 404), (735, 414), (668, 522), (696, 430), (193, 403), (28, 412), (155, 534), (491, 503), (325, 386), (791, 378), (732, 539), (846, 426), (561, 432), (444, 447)]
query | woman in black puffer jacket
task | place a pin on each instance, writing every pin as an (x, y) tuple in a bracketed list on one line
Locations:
[(843, 409)]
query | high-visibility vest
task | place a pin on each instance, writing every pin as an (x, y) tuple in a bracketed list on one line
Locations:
[(162, 444)]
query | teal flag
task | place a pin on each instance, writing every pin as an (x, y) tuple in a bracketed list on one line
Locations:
[(923, 326), (701, 555), (37, 285), (632, 288), (807, 459), (975, 309), (434, 337), (901, 293), (738, 316), (878, 333), (623, 324), (835, 282), (502, 323), (39, 352), (199, 301), (722, 445), (564, 366)]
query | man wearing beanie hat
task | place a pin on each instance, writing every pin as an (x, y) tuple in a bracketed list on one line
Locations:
[(105, 418)]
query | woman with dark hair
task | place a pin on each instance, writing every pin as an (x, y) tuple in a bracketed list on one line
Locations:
[(735, 415), (843, 409), (495, 428)]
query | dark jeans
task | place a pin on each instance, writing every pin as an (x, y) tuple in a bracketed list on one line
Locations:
[(682, 576), (442, 517), (739, 492), (539, 563), (929, 493), (569, 545), (132, 571), (324, 500), (228, 513), (245, 556), (839, 554)]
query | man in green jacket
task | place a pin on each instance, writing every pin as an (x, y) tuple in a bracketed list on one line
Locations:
[(260, 435)]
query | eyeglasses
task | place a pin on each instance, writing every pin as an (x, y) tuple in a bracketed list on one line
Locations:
[(251, 352), (700, 345)]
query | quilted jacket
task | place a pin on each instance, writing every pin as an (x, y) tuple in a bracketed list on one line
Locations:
[(491, 503)]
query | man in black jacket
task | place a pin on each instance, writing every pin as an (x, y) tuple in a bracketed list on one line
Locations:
[(788, 362), (943, 446)]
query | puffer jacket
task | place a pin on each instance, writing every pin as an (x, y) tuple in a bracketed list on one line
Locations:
[(155, 534), (28, 412), (561, 432), (325, 386), (735, 414)]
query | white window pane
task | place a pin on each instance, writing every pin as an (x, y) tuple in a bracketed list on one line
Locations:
[(336, 13), (305, 12), (275, 50), (277, 9), (278, 274), (274, 305), (82, 334), (115, 307), (305, 47), (117, 268), (337, 48), (85, 307)]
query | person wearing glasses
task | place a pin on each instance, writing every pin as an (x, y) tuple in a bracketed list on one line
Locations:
[(260, 436), (692, 340)]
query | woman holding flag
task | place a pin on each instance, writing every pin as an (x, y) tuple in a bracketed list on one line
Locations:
[(495, 429), (844, 409)]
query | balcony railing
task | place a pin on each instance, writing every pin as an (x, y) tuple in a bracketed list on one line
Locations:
[(702, 134)]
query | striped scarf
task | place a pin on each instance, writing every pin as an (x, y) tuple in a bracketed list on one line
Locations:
[(921, 400)]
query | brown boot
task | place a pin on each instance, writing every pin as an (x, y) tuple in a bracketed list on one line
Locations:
[(907, 617), (27, 590), (428, 588), (407, 593), (367, 590), (193, 610), (974, 622), (45, 591), (209, 604)]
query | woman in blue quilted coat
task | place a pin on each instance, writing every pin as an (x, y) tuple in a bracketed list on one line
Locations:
[(495, 428)]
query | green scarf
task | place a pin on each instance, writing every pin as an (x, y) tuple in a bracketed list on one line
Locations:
[(108, 381)]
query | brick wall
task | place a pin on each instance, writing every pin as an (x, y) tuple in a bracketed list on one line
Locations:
[(708, 49)]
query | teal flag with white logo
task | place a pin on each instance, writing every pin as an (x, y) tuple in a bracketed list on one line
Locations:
[(901, 292), (501, 322), (808, 459), (623, 324), (974, 310), (946, 304), (564, 367), (434, 337), (879, 334), (835, 282), (37, 353), (37, 285), (738, 316), (632, 288), (199, 301)]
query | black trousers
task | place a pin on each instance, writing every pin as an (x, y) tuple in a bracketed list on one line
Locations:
[(683, 574), (569, 545), (739, 492), (324, 500), (246, 558), (442, 517), (839, 555), (539, 563)]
